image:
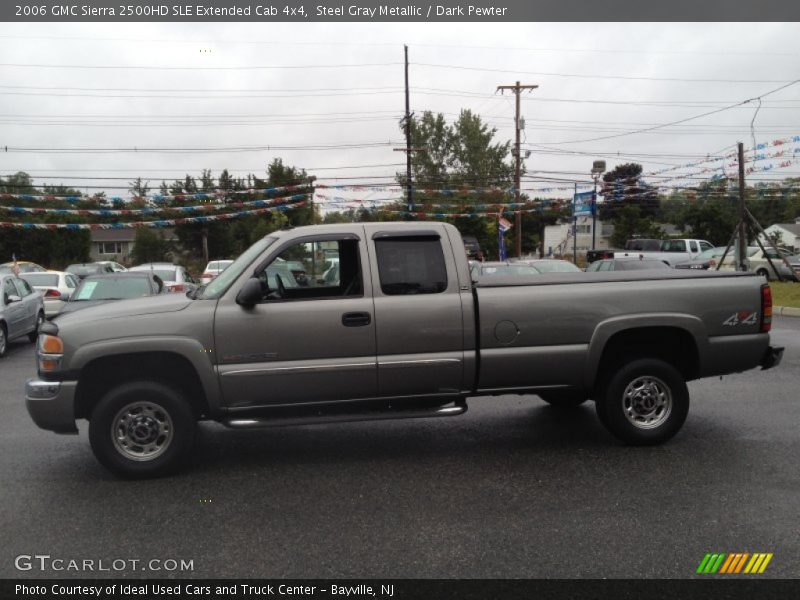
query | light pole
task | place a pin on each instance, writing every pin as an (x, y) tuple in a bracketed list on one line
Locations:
[(598, 168)]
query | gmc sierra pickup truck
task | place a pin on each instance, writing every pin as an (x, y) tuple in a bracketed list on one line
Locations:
[(399, 330)]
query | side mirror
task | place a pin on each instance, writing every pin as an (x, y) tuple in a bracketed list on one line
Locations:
[(251, 293), (12, 298)]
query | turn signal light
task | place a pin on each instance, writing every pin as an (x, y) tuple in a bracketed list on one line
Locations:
[(50, 344)]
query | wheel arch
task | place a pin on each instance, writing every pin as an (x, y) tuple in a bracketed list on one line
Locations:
[(680, 340), (103, 373)]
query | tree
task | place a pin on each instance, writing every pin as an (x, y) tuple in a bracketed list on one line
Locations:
[(148, 246), (464, 155), (138, 188)]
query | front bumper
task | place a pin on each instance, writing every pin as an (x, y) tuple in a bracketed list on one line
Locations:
[(772, 358), (51, 404)]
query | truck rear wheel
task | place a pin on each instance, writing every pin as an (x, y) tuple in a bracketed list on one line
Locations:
[(645, 402), (142, 429)]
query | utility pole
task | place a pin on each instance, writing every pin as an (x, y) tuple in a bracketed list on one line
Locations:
[(409, 188), (742, 250), (517, 89)]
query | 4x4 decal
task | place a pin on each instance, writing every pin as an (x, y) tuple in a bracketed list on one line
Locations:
[(741, 318)]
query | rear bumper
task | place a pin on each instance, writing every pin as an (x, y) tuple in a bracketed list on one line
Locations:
[(51, 404), (772, 358)]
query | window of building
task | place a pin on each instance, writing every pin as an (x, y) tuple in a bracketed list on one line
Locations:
[(109, 248)]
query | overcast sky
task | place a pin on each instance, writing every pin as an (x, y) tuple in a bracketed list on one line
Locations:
[(342, 84)]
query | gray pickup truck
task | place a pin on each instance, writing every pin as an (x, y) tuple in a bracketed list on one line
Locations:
[(383, 321)]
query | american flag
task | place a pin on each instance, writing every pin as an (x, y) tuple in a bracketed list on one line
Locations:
[(503, 224)]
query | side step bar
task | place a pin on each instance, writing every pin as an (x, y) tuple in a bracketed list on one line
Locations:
[(257, 422)]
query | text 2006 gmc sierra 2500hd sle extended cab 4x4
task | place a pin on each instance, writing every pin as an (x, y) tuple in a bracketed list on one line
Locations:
[(393, 328)]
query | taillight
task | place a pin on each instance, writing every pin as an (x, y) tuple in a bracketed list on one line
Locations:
[(766, 308), (208, 275), (177, 287), (51, 293)]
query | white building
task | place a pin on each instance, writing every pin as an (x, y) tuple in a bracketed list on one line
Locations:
[(558, 239), (789, 234)]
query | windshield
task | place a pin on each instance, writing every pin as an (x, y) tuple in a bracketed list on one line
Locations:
[(83, 270), (512, 270), (231, 273), (218, 265), (112, 288), (555, 266), (41, 279)]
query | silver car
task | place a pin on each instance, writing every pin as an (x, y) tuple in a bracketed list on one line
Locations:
[(21, 311)]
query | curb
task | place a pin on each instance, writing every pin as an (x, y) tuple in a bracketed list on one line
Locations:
[(786, 311)]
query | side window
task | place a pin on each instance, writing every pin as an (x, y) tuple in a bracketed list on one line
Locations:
[(23, 287), (9, 289), (693, 246), (705, 246), (316, 269), (70, 280), (411, 265), (606, 265)]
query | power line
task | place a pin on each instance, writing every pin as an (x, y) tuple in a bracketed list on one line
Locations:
[(778, 89), (595, 76), (162, 68)]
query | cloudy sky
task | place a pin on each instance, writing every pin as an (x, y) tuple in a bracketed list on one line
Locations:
[(328, 97)]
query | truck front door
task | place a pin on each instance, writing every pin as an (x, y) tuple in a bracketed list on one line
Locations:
[(312, 336)]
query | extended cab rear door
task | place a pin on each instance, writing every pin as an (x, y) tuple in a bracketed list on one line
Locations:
[(418, 312)]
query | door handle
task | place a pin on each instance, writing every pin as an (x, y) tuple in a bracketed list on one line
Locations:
[(356, 319)]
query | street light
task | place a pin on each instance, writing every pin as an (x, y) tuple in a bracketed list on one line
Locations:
[(598, 168)]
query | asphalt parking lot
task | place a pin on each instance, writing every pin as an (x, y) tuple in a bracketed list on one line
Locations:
[(512, 489)]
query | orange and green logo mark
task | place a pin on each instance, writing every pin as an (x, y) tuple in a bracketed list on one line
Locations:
[(734, 563)]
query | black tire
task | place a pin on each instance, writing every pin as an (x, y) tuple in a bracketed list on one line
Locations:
[(34, 335), (764, 273), (564, 399), (3, 340), (641, 420), (156, 412)]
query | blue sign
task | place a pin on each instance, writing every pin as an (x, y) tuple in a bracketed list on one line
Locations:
[(582, 204)]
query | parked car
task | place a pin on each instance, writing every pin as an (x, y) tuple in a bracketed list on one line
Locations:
[(671, 251), (115, 266), (23, 266), (705, 260), (175, 277), (214, 268), (56, 287), (757, 262), (21, 311), (627, 264), (551, 265), (501, 269), (109, 287), (85, 269), (405, 334)]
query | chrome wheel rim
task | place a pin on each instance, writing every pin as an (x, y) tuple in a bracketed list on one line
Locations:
[(647, 402), (142, 431)]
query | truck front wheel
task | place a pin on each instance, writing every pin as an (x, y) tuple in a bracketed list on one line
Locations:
[(645, 402), (142, 429)]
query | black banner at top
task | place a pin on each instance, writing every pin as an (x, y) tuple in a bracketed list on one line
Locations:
[(265, 11)]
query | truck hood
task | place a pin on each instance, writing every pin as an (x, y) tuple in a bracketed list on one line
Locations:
[(127, 308)]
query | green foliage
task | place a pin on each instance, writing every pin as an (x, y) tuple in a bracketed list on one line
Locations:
[(149, 245), (455, 155)]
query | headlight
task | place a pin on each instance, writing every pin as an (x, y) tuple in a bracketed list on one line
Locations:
[(49, 351)]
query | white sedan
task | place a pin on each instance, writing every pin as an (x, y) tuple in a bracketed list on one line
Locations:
[(52, 284)]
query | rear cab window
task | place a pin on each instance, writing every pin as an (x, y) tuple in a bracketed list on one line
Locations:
[(410, 265)]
